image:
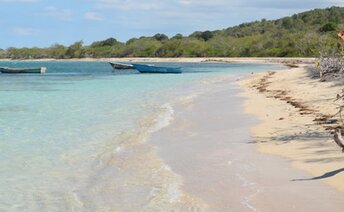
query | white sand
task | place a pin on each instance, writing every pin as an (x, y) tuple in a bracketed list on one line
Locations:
[(284, 131), (209, 145)]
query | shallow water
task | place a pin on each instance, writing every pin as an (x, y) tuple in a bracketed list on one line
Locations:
[(74, 138)]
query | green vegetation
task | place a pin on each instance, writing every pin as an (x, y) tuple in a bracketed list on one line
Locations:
[(306, 34)]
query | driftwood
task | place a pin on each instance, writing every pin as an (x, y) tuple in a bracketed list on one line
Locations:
[(338, 130), (338, 138), (334, 66)]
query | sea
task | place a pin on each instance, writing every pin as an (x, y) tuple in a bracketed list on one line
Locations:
[(77, 137)]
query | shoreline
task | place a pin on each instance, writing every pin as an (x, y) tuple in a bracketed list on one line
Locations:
[(216, 145), (282, 60), (209, 145), (294, 112)]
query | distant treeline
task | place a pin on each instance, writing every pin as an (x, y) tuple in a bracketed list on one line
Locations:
[(301, 35)]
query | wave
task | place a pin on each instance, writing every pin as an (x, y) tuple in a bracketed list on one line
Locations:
[(164, 118)]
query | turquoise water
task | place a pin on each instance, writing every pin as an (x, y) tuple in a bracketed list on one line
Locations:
[(74, 138)]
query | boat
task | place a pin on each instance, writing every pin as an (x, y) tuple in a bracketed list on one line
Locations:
[(157, 69), (121, 66), (7, 70)]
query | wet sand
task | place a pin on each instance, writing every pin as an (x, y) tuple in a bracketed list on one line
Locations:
[(209, 145)]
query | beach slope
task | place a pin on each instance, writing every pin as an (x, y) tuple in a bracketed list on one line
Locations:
[(296, 113), (208, 144)]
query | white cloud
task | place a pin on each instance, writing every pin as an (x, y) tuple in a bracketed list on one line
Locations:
[(185, 2), (129, 4), (92, 16), (18, 1), (212, 4), (24, 31), (62, 14)]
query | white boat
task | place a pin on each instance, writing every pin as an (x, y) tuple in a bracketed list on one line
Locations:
[(121, 66)]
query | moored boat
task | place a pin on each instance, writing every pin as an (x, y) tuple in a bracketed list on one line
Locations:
[(121, 66), (7, 70), (157, 69)]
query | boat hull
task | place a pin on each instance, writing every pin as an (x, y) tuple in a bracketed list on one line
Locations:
[(156, 69), (116, 66), (6, 70)]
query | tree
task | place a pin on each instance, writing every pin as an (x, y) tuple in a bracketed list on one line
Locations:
[(206, 35), (145, 47), (107, 42), (2, 53), (57, 51), (287, 23), (75, 50), (160, 37), (178, 36), (328, 27), (131, 41)]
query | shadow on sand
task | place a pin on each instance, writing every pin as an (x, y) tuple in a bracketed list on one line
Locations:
[(326, 175), (305, 136)]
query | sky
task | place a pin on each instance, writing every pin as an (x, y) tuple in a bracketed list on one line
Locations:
[(42, 23)]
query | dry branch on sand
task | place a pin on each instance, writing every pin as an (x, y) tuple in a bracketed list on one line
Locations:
[(336, 64), (338, 138), (331, 67)]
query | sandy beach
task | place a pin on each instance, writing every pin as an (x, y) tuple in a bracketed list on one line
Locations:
[(219, 147), (267, 150), (295, 113)]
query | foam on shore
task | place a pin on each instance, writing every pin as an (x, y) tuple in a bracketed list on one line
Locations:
[(164, 118), (210, 146)]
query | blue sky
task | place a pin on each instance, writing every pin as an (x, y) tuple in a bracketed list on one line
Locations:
[(45, 22)]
